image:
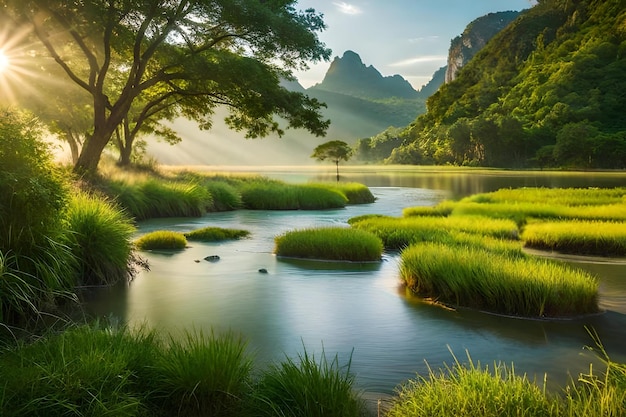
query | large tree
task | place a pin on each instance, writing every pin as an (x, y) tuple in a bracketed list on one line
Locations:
[(136, 58)]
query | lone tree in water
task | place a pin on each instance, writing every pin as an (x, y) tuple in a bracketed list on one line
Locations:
[(139, 62), (335, 150)]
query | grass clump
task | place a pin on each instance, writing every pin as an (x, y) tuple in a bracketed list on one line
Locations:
[(398, 233), (330, 243), (472, 390), (557, 196), (215, 234), (580, 237), (199, 375), (100, 238), (484, 280), (306, 388), (161, 239), (355, 192)]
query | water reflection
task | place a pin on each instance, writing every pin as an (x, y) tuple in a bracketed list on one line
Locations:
[(350, 309)]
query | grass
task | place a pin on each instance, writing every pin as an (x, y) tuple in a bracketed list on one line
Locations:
[(330, 243), (215, 234), (484, 280), (553, 196), (355, 192), (161, 239), (100, 238), (398, 233), (580, 237), (472, 390), (201, 374), (307, 388)]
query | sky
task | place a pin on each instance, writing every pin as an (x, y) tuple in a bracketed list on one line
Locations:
[(406, 37)]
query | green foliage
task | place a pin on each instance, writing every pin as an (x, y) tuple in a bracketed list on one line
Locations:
[(215, 234), (145, 77), (100, 238), (545, 91), (161, 239), (306, 388), (36, 265), (330, 243), (482, 279)]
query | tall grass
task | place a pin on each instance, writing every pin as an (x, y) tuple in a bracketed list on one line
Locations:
[(330, 243), (553, 196), (355, 192), (225, 197), (484, 280), (201, 375), (100, 236), (580, 237), (160, 198), (274, 195), (397, 233), (162, 239), (468, 390), (306, 388), (215, 234)]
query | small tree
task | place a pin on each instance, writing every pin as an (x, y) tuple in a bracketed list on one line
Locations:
[(335, 150)]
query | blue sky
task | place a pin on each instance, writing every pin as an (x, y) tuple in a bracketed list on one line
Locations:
[(406, 37)]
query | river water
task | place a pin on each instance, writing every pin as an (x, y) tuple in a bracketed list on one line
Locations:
[(358, 311)]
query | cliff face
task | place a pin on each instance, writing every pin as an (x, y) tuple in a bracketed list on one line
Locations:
[(474, 38), (350, 76)]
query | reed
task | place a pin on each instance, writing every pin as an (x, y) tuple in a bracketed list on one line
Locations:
[(468, 390), (100, 238), (201, 374), (225, 197), (161, 239), (215, 234), (580, 237), (307, 388), (484, 280), (330, 243)]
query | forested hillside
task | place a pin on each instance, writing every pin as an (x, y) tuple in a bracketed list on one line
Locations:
[(546, 91)]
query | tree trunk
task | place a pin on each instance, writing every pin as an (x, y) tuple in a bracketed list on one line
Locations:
[(73, 143), (337, 164)]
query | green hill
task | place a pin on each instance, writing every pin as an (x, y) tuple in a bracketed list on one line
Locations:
[(547, 90)]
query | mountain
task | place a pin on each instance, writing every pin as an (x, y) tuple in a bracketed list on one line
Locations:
[(474, 38), (348, 75), (545, 91)]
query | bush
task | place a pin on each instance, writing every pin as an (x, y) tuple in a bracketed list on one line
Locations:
[(161, 239), (36, 266), (330, 243), (100, 238)]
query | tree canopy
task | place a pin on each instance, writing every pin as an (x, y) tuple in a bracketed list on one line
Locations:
[(143, 61), (334, 150)]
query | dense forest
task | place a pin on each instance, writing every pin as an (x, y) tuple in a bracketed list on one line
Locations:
[(547, 91)]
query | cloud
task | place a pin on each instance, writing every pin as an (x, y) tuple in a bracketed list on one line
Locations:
[(424, 38), (419, 60), (346, 8)]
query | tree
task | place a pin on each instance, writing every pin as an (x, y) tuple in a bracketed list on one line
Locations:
[(335, 150), (184, 57)]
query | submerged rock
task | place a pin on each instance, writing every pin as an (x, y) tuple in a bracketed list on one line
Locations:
[(212, 258), (263, 271)]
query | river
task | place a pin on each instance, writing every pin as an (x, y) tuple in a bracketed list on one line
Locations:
[(359, 311)]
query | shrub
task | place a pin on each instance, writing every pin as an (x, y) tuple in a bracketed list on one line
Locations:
[(36, 266), (213, 234), (100, 238), (161, 239), (330, 243)]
